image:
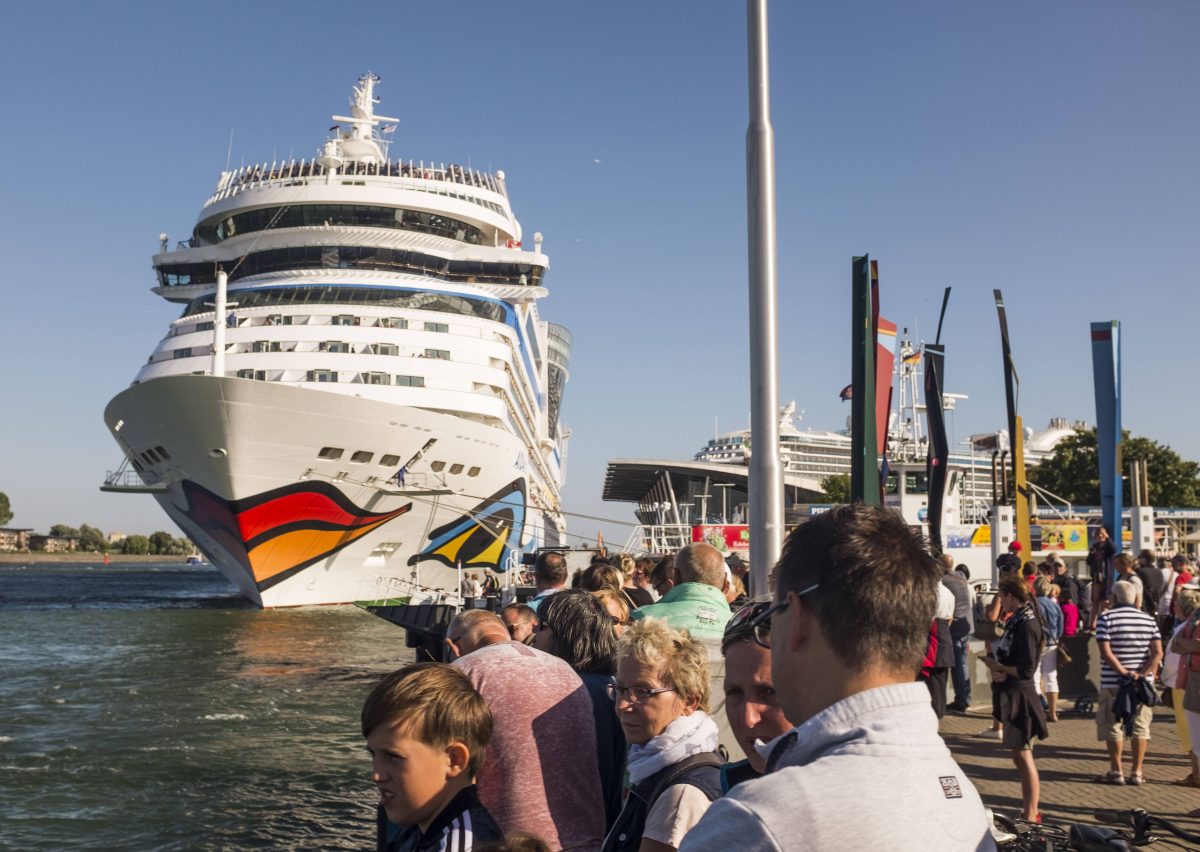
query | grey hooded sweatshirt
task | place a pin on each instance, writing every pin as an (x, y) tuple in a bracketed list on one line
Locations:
[(870, 772)]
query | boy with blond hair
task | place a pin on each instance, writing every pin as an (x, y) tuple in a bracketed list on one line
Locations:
[(426, 729)]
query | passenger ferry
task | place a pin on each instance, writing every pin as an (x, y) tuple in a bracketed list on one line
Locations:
[(359, 398)]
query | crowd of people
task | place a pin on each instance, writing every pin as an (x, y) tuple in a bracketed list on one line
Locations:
[(1136, 608), (644, 704)]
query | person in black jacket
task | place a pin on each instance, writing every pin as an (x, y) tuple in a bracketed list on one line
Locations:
[(575, 626), (1017, 656)]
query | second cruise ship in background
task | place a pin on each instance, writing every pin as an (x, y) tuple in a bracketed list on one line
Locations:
[(359, 397)]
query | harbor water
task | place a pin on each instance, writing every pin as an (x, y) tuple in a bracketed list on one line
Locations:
[(149, 707)]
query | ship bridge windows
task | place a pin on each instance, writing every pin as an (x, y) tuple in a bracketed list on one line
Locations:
[(389, 460), (356, 215), (410, 381), (354, 257)]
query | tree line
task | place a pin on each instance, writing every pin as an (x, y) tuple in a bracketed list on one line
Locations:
[(93, 540)]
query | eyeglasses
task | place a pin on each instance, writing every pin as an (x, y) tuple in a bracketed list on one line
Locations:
[(634, 694), (760, 623)]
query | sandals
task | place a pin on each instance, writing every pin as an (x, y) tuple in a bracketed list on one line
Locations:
[(1137, 779), (1113, 777)]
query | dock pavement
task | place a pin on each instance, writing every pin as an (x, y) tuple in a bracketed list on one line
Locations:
[(1068, 763)]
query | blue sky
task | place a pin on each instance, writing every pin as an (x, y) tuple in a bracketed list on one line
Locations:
[(1048, 149)]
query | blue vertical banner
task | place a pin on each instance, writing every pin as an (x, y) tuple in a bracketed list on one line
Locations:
[(1106, 372)]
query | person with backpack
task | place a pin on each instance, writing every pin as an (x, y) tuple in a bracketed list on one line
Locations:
[(661, 692)]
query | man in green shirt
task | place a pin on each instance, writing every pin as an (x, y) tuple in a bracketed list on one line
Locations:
[(697, 602)]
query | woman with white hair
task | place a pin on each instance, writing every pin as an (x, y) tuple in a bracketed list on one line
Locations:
[(661, 695)]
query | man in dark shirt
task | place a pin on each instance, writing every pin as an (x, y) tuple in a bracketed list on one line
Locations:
[(1152, 582), (1010, 560)]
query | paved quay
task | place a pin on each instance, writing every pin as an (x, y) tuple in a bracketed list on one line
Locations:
[(1068, 762)]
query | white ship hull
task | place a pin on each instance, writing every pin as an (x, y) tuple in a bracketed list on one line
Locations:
[(243, 476)]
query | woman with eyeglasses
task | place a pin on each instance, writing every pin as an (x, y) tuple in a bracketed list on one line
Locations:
[(751, 705), (661, 696), (574, 626)]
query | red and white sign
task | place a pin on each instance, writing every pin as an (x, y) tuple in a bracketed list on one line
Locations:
[(724, 537)]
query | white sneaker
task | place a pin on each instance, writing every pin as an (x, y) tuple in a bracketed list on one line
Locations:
[(990, 734)]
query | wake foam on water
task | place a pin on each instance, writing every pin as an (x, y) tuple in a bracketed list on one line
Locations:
[(223, 717), (4, 740)]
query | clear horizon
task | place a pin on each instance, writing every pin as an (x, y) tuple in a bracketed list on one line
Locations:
[(1044, 149)]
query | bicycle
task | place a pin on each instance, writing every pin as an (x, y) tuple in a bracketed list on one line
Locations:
[(1136, 830)]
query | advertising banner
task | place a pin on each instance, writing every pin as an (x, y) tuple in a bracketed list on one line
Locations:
[(724, 537)]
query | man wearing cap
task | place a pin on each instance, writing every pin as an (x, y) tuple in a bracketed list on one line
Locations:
[(866, 738)]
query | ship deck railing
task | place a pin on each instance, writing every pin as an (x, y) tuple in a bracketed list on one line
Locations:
[(126, 480), (248, 177)]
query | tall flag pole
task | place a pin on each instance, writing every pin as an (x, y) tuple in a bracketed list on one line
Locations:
[(766, 472), (939, 447), (864, 454), (1106, 372), (1016, 443), (885, 363)]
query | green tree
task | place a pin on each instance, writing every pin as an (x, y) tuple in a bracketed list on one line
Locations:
[(64, 531), (161, 542), (182, 546), (1073, 472), (836, 488), (5, 509), (137, 544), (92, 539)]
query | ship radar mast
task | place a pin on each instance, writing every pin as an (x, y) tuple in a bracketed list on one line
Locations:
[(357, 140)]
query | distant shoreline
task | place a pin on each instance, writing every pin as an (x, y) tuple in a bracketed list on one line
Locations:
[(21, 558)]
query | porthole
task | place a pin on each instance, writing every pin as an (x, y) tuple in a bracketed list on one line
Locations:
[(389, 460), (437, 466), (456, 469), (330, 453), (362, 457)]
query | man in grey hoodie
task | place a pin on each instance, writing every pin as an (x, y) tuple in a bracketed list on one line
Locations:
[(864, 768)]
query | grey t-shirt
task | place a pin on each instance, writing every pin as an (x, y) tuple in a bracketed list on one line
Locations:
[(870, 772)]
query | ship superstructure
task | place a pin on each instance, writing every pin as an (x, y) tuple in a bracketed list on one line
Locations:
[(376, 407)]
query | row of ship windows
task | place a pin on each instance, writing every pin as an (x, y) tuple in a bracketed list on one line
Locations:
[(359, 215), (368, 378), (385, 297), (233, 321), (152, 456), (353, 257), (390, 460), (334, 346)]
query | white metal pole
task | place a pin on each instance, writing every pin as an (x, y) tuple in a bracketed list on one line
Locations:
[(218, 355), (766, 473)]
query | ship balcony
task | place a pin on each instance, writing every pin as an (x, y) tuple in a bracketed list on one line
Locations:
[(126, 480)]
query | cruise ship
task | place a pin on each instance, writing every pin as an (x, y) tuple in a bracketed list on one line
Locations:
[(359, 398), (674, 497)]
